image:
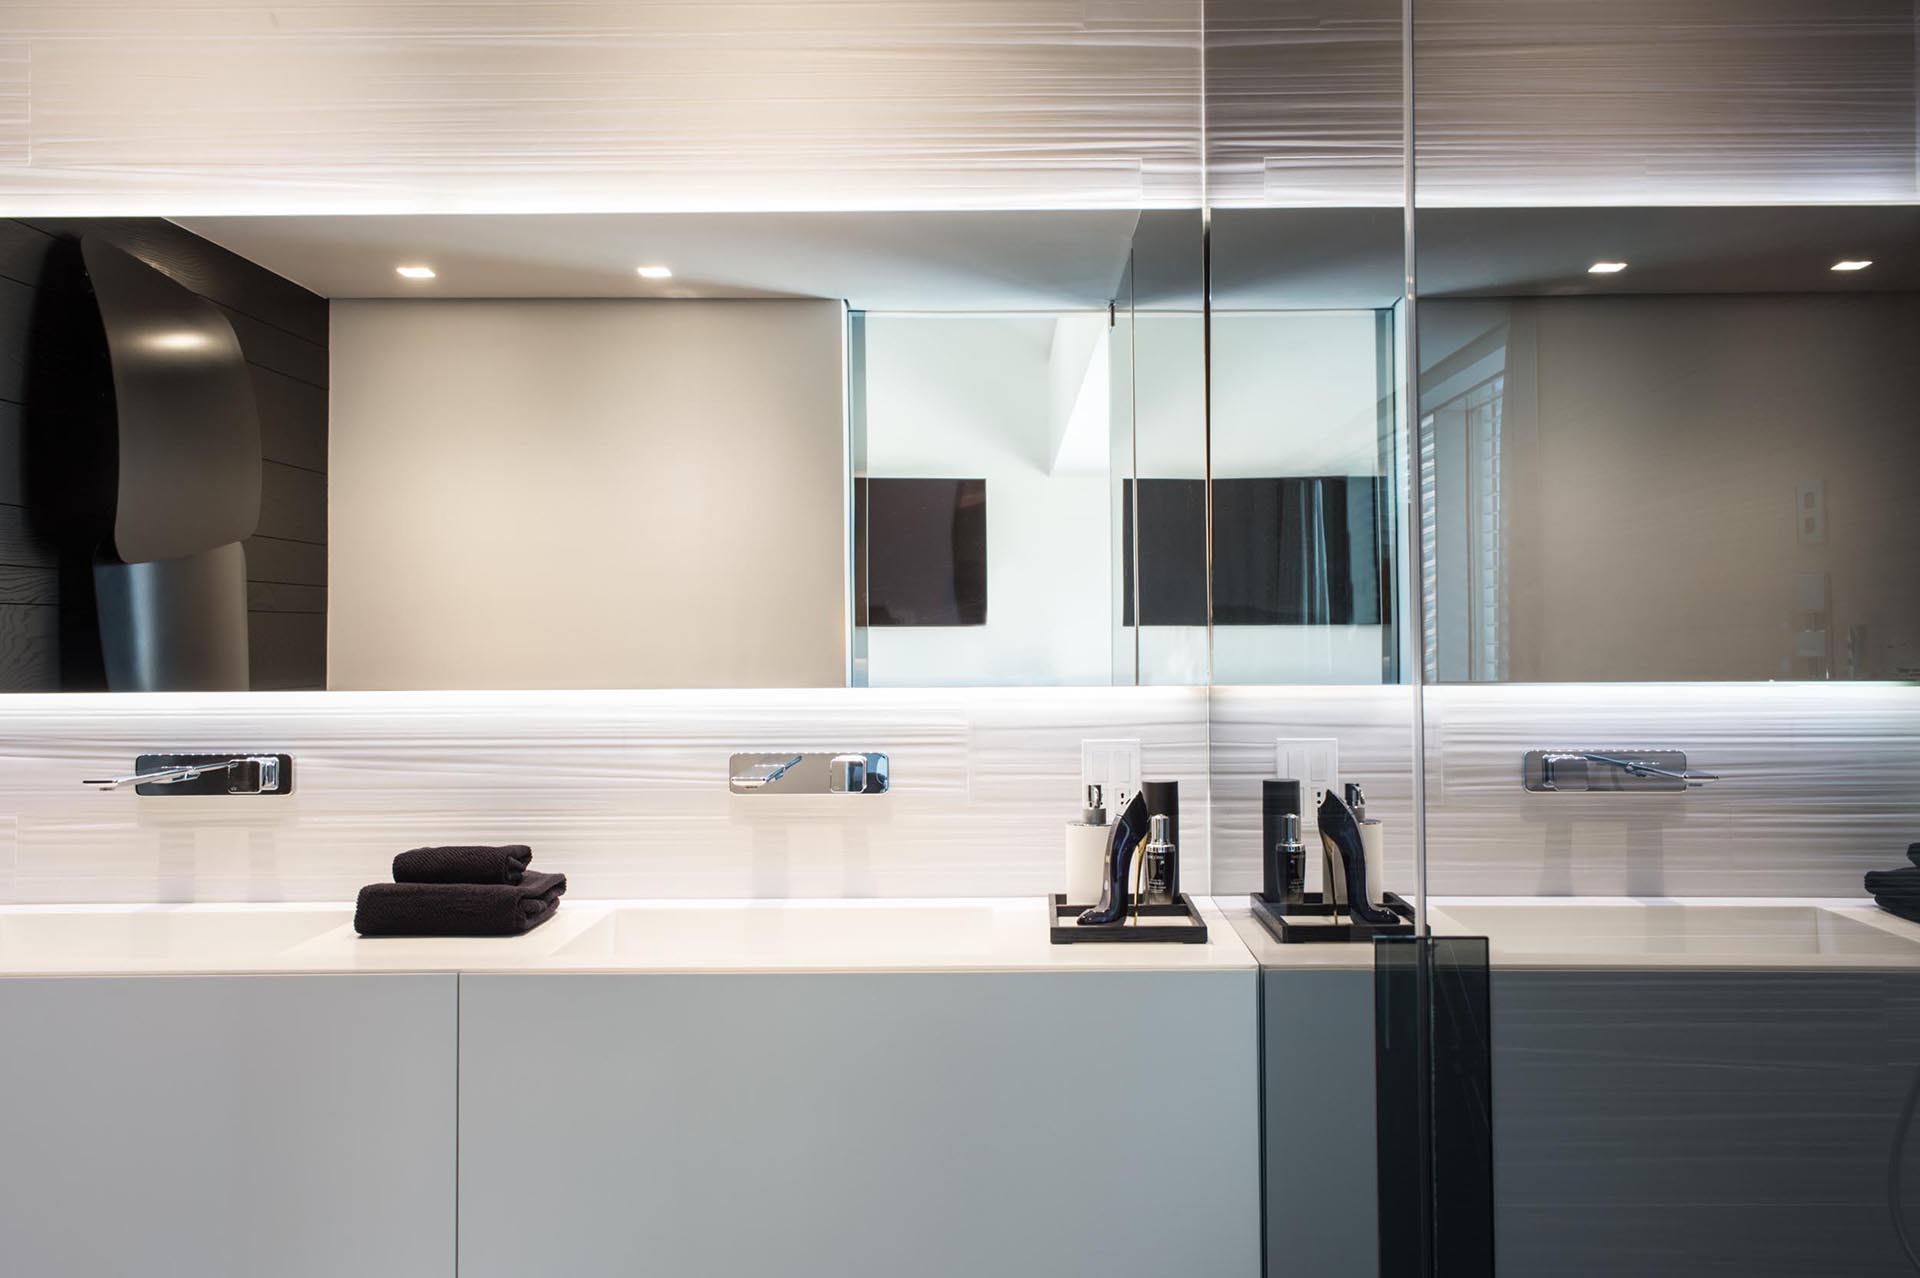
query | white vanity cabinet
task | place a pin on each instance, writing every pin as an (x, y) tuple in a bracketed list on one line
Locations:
[(227, 1126), (925, 1123)]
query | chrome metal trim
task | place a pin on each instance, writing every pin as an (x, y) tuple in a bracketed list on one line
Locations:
[(809, 772)]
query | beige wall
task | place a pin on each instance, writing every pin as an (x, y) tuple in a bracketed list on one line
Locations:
[(1653, 449), (587, 494)]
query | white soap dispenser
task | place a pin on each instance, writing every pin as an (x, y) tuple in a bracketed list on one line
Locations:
[(1087, 850), (1373, 840)]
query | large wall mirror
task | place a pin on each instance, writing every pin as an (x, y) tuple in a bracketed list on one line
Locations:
[(1118, 426), (1666, 340), (1305, 161), (784, 450)]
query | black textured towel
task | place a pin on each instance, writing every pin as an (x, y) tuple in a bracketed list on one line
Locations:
[(464, 864), (1902, 884), (1900, 907), (1913, 853), (458, 909)]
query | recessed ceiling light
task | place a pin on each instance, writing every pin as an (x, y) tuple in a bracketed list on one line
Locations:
[(655, 272), (414, 272), (182, 340), (1853, 264), (1606, 268)]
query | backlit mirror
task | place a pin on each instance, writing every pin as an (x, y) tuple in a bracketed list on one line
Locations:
[(757, 449), (1308, 275), (1666, 332)]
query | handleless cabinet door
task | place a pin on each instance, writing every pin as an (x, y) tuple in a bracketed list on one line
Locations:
[(879, 1124), (228, 1127)]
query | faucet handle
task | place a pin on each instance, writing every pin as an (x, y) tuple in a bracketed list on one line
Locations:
[(857, 774)]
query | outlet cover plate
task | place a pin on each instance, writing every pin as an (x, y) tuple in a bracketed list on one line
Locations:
[(1114, 766), (1312, 761)]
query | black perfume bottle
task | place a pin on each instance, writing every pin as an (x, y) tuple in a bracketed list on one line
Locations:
[(1163, 799), (1279, 800)]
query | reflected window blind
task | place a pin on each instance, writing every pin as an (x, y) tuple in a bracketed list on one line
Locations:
[(1487, 536)]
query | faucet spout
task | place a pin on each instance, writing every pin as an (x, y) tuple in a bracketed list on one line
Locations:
[(1577, 771)]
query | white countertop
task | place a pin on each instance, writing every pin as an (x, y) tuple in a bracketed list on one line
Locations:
[(1643, 933), (935, 935), (744, 936)]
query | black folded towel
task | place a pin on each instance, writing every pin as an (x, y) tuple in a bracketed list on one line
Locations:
[(464, 864), (1913, 853), (1901, 884), (458, 909), (1900, 908)]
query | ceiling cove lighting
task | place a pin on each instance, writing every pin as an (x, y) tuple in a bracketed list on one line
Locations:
[(1606, 268), (1852, 264), (414, 272), (654, 272)]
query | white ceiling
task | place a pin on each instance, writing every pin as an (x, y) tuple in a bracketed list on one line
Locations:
[(1262, 259), (876, 261), (1308, 259)]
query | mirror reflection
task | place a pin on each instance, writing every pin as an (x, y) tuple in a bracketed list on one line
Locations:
[(1663, 413), (781, 450), (1665, 334), (1671, 443), (1307, 472)]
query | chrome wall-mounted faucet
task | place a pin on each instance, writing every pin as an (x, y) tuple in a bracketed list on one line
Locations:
[(802, 772), (1586, 771), (187, 774)]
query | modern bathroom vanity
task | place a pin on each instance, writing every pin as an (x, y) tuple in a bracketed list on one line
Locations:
[(925, 1086), (1658, 1064), (804, 1087), (1699, 1085)]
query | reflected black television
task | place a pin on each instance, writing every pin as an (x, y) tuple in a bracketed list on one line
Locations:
[(1287, 551), (920, 552)]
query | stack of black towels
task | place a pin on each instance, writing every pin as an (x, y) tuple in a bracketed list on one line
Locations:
[(459, 891), (1898, 891)]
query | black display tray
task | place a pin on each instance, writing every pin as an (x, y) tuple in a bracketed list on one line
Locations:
[(1191, 931), (1288, 923)]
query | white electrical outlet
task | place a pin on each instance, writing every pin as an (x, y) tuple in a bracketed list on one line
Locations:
[(1315, 763), (1114, 766)]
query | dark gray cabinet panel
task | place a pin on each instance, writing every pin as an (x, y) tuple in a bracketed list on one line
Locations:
[(1694, 1123), (1322, 1209), (228, 1127)]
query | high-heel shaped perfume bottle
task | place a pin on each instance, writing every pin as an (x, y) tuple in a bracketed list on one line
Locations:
[(1128, 830), (1347, 860)]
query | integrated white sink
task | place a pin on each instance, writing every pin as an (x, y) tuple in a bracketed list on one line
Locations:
[(123, 936), (1684, 932), (748, 934)]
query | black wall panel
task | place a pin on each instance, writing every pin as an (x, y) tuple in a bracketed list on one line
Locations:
[(283, 334)]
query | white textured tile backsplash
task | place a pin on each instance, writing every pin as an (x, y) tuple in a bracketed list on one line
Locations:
[(626, 791), (1821, 782), (1374, 726)]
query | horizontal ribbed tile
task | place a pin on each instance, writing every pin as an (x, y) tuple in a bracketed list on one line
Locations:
[(615, 105), (626, 791), (1818, 786)]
